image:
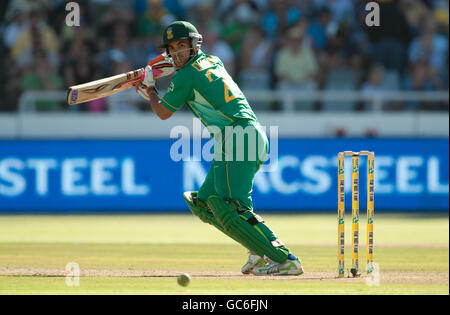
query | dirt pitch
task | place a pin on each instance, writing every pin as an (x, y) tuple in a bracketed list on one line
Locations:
[(387, 277)]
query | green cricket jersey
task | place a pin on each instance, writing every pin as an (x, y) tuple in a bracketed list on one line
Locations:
[(210, 93)]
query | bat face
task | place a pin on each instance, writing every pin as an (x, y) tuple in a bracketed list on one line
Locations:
[(104, 87), (132, 78), (161, 66), (97, 89)]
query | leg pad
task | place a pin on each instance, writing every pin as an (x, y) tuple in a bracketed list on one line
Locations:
[(246, 234)]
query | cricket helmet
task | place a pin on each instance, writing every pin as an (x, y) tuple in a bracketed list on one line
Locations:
[(179, 30)]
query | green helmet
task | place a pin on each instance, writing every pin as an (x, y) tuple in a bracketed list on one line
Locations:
[(180, 30)]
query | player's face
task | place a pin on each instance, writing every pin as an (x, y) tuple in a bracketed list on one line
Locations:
[(180, 51)]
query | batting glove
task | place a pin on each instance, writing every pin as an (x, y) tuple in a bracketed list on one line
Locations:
[(162, 66), (148, 80), (142, 91)]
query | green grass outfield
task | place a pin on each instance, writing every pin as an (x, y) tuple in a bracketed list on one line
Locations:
[(143, 254)]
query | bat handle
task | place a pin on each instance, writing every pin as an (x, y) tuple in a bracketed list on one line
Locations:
[(157, 59)]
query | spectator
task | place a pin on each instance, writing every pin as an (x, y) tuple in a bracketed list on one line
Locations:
[(244, 10), (257, 51), (74, 40), (123, 43), (373, 85), (250, 36), (415, 12), (117, 11), (153, 20), (256, 62), (80, 68), (125, 101), (204, 18), (176, 8), (42, 76), (441, 15), (430, 50), (280, 16), (237, 23), (190, 7), (318, 29), (37, 36), (212, 45), (296, 65), (391, 39), (341, 10), (428, 60), (101, 8), (18, 24), (12, 81), (344, 46)]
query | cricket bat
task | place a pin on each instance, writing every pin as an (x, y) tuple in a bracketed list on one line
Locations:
[(161, 66)]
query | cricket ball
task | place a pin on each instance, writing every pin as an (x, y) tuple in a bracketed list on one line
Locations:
[(184, 279), (354, 272)]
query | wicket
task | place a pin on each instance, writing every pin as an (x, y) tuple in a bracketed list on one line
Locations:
[(355, 211)]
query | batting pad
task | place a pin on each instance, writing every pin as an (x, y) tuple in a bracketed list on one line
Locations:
[(203, 214), (244, 232)]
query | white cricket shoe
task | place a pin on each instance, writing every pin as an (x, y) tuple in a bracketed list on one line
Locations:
[(291, 267), (252, 262)]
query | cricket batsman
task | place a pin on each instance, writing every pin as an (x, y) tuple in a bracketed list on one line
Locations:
[(224, 199)]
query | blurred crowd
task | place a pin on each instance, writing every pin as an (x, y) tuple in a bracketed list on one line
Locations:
[(307, 45)]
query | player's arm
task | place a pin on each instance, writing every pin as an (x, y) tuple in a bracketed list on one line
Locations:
[(155, 103), (178, 93), (147, 90)]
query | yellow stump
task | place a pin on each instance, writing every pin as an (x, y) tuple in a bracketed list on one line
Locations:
[(370, 211), (341, 213), (355, 214)]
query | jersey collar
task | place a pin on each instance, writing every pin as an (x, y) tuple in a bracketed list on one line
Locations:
[(193, 59)]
